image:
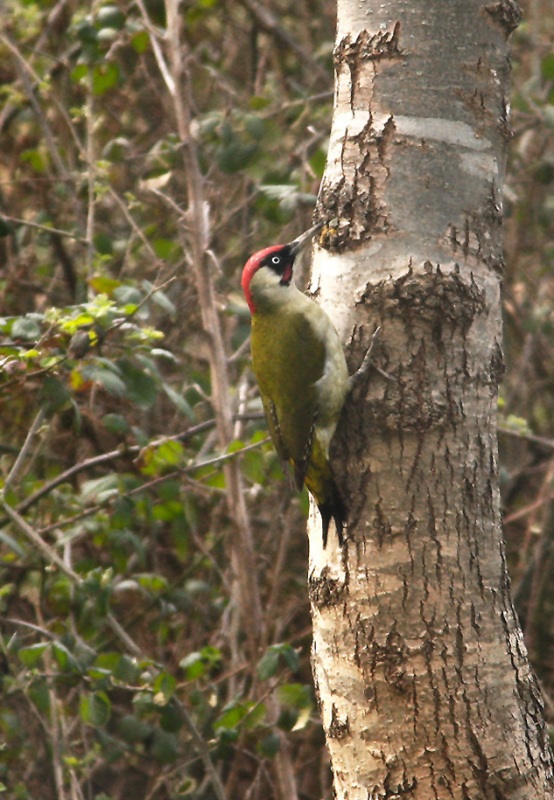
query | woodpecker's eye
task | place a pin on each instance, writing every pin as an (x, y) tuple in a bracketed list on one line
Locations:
[(279, 260)]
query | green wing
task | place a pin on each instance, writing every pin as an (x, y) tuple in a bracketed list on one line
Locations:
[(288, 359)]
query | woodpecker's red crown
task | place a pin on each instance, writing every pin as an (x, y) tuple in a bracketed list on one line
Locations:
[(279, 258)]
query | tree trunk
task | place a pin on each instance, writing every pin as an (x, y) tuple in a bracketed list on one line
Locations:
[(420, 667)]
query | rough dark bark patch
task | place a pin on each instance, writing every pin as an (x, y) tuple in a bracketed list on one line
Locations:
[(325, 591), (506, 14), (354, 210), (434, 299), (367, 46), (481, 237)]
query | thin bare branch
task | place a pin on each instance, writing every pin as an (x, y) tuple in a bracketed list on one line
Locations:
[(269, 23), (24, 452), (45, 228), (157, 50), (25, 74), (526, 436), (47, 552), (52, 557), (198, 240), (203, 751)]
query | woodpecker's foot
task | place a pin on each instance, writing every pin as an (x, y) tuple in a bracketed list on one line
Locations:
[(367, 363)]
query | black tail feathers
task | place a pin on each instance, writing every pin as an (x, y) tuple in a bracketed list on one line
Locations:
[(333, 508)]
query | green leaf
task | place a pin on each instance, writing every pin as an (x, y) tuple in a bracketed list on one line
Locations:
[(231, 717), (141, 387), (5, 227), (39, 694), (95, 708), (107, 378), (268, 664), (12, 544), (258, 103), (6, 589), (198, 663), (128, 295), (211, 655), (122, 667), (164, 747), (164, 686), (115, 423), (297, 695), (110, 16), (104, 77), (140, 42), (86, 32), (235, 156), (270, 745), (255, 126), (193, 665), (156, 584), (36, 158), (157, 459), (80, 72), (25, 328), (97, 490), (104, 284), (31, 656), (256, 716), (165, 248), (318, 162), (273, 657), (288, 717), (171, 453), (132, 729), (54, 394), (171, 718), (178, 400), (547, 67), (64, 658)]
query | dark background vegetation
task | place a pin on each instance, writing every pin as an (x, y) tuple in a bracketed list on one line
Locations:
[(126, 662)]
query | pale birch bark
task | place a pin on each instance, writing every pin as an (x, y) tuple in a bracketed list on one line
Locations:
[(422, 675)]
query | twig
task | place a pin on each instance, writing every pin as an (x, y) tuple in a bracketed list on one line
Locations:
[(91, 176), (137, 229), (45, 228), (142, 303), (53, 558), (226, 456), (103, 458), (18, 463), (198, 236), (158, 55), (122, 635), (529, 437), (31, 626), (132, 450), (270, 24), (203, 751), (48, 552), (24, 73)]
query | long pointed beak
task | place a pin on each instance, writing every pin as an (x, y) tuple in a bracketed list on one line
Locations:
[(301, 241)]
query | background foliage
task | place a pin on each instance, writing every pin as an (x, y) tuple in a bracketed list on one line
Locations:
[(154, 627)]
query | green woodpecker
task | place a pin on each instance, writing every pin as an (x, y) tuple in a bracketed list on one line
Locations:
[(301, 371)]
